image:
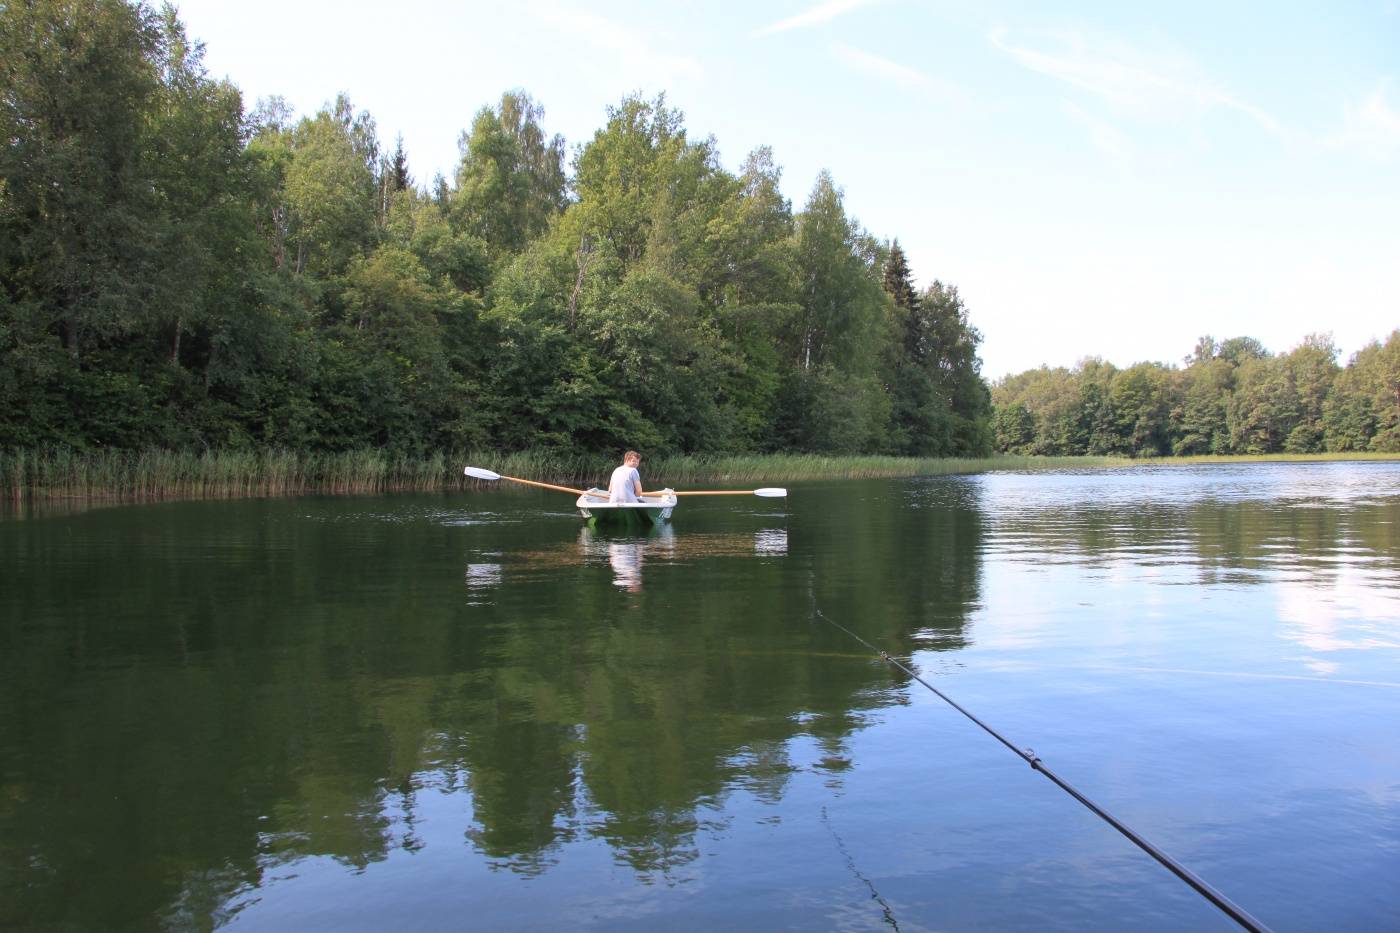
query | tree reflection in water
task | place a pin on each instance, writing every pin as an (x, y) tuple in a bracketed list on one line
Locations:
[(202, 703), (334, 685)]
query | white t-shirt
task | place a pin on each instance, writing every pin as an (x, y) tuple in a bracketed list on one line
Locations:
[(621, 487)]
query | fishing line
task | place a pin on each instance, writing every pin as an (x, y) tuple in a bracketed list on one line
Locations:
[(888, 916), (1229, 907)]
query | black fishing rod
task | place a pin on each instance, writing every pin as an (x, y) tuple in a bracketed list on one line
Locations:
[(1229, 907)]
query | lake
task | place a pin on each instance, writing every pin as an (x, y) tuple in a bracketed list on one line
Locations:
[(471, 710)]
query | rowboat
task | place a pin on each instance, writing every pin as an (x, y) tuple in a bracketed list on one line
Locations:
[(653, 509)]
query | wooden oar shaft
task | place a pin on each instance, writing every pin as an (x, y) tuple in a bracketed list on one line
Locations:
[(530, 482)]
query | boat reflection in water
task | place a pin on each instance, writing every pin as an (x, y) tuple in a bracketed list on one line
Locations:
[(626, 554), (770, 542), (482, 577)]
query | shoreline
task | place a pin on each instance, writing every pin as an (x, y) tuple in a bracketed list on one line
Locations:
[(154, 475)]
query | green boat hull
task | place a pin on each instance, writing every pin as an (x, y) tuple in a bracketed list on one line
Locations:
[(652, 510)]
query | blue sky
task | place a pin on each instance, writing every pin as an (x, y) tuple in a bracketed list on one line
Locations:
[(1100, 179)]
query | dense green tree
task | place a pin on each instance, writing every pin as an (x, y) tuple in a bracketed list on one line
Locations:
[(126, 219), (1349, 416), (1263, 409), (174, 274), (1232, 397), (899, 285), (839, 335), (749, 239), (1093, 428), (458, 260), (1311, 369), (1050, 397), (955, 369), (1198, 422), (329, 189), (1239, 349), (918, 423), (1014, 429), (620, 175), (658, 359), (80, 218), (269, 153), (1140, 398), (205, 224), (1374, 390), (842, 319), (397, 174), (510, 181)]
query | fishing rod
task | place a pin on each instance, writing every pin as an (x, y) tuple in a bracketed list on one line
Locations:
[(1229, 907)]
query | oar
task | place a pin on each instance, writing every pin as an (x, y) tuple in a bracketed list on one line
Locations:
[(769, 492), (479, 473)]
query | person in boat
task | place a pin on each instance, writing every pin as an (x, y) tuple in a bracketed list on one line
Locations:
[(626, 482)]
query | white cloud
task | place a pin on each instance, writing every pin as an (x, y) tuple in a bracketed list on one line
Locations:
[(1353, 613), (885, 69), (1132, 80), (630, 49), (1371, 127), (821, 13)]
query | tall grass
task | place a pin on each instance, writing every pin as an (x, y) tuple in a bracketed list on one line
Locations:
[(1269, 458), (162, 474), (759, 468), (66, 473)]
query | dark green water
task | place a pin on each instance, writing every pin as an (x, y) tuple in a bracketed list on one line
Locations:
[(468, 711)]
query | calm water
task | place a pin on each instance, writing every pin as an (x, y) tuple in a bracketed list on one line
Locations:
[(469, 711)]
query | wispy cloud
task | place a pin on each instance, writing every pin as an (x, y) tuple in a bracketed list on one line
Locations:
[(637, 52), (887, 70), (821, 13), (1371, 127), (1105, 137), (1146, 85)]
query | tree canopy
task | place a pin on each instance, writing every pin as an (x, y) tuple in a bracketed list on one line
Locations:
[(178, 271), (1230, 397)]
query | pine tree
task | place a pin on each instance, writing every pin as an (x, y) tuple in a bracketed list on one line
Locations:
[(898, 281), (399, 179)]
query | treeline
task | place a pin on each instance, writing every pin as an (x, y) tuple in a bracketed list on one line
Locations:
[(1230, 397), (178, 273)]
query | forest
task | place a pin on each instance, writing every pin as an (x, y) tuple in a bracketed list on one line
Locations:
[(180, 271), (1228, 397)]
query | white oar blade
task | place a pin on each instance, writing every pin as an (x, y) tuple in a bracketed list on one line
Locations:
[(479, 473), (771, 492)]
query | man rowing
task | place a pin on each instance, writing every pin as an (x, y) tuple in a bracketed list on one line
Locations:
[(626, 482)]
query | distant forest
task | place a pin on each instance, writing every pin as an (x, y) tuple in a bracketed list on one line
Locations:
[(178, 271), (1231, 397)]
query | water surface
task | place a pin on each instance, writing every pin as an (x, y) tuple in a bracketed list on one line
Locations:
[(436, 712)]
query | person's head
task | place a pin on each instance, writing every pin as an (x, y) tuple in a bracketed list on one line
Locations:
[(631, 458)]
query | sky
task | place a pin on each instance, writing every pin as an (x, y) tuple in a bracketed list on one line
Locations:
[(1097, 179)]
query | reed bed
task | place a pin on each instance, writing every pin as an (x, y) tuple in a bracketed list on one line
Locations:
[(66, 473), (1269, 458), (749, 469), (163, 474)]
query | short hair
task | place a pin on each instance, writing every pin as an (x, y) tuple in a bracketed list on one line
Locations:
[(631, 453)]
